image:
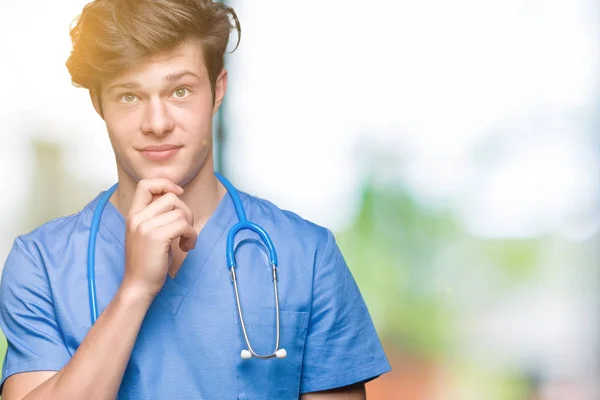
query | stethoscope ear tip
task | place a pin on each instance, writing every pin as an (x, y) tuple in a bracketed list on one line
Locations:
[(246, 355), (281, 353)]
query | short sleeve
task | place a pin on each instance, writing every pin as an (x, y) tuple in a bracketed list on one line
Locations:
[(27, 317), (342, 346)]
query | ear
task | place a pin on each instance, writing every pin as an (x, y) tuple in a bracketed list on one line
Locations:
[(95, 96), (220, 89)]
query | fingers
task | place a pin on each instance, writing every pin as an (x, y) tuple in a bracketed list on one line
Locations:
[(161, 220), (157, 211), (169, 226), (188, 238), (147, 189), (164, 204)]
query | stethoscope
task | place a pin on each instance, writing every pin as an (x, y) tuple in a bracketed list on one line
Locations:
[(243, 223)]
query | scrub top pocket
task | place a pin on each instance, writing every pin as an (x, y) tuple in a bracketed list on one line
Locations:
[(275, 378)]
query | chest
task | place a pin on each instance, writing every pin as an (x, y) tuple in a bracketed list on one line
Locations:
[(190, 341), (196, 353)]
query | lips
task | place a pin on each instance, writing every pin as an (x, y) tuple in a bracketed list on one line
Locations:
[(160, 153)]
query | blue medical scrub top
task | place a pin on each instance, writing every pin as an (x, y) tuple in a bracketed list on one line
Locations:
[(189, 344)]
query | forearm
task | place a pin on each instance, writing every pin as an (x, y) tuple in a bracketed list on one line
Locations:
[(352, 392), (96, 369)]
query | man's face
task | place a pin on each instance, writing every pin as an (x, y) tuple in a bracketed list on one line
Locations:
[(159, 115)]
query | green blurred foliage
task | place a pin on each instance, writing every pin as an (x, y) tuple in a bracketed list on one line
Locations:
[(420, 271), (518, 259), (390, 249)]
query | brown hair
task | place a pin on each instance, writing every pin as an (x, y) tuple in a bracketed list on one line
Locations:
[(112, 35)]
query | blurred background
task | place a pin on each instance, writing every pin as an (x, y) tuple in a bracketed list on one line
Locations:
[(452, 147)]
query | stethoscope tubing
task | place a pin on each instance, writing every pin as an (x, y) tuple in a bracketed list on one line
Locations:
[(242, 224)]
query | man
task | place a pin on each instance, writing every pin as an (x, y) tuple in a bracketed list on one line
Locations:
[(168, 324)]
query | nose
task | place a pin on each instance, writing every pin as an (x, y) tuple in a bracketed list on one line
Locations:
[(158, 121)]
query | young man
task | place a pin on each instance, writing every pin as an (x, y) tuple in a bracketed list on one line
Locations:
[(169, 325)]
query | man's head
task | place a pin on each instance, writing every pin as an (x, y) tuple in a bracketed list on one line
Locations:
[(154, 69)]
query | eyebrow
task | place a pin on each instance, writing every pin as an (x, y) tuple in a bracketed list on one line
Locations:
[(124, 85), (179, 75), (168, 78)]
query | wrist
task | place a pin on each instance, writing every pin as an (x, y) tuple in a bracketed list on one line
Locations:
[(134, 294)]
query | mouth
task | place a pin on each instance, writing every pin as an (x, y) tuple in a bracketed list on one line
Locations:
[(160, 153)]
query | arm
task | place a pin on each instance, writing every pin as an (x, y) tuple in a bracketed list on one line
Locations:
[(352, 392), (99, 362), (156, 219)]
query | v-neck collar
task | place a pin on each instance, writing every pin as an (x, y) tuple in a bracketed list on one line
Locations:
[(175, 289)]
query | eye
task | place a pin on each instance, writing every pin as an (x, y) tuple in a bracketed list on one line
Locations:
[(181, 92), (128, 98)]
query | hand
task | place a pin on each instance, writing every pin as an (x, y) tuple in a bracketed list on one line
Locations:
[(157, 217)]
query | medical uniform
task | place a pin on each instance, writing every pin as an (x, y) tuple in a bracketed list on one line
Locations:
[(189, 344)]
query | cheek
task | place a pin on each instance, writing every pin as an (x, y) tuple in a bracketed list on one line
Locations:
[(120, 118), (195, 121), (121, 131)]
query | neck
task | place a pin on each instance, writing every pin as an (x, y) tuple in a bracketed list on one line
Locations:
[(202, 194)]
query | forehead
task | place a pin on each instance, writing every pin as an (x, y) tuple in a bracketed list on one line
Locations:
[(186, 56)]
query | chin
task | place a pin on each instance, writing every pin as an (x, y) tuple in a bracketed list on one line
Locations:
[(176, 172), (177, 175), (172, 174)]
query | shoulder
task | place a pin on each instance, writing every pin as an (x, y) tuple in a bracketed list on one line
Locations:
[(55, 232), (51, 239), (288, 223)]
